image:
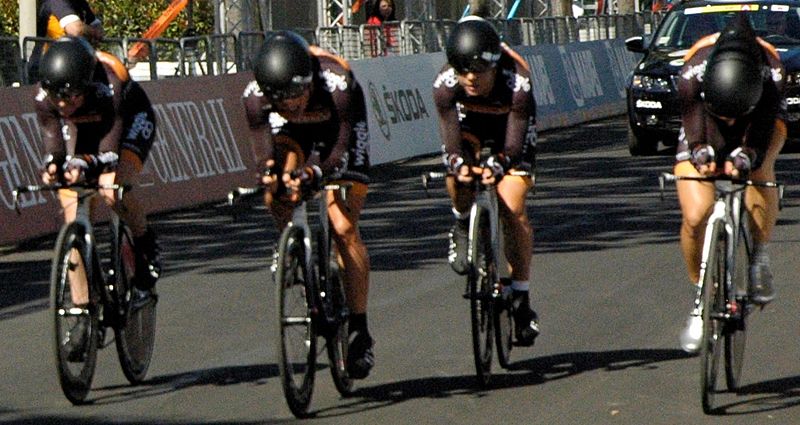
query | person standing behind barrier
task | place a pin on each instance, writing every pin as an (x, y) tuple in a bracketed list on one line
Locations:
[(484, 99), (383, 11), (308, 125), (57, 18)]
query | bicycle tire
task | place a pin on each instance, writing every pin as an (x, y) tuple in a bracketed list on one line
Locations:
[(136, 328), (503, 325), (336, 343), (481, 302), (713, 312), (298, 339), (736, 331), (75, 378)]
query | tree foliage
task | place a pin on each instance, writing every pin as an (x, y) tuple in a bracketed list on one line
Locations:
[(126, 18)]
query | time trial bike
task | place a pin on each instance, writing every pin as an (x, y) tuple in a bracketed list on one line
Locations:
[(109, 271), (487, 289), (724, 279), (310, 299)]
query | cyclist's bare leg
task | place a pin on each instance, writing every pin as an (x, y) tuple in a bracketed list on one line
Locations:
[(762, 202), (512, 191), (78, 287), (696, 199), (130, 209), (461, 195), (352, 251)]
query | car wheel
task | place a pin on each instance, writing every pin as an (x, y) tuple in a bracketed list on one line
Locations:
[(641, 144)]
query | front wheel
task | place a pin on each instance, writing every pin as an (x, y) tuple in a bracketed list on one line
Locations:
[(736, 331), (503, 324), (136, 332), (73, 323), (713, 315), (298, 339), (481, 302)]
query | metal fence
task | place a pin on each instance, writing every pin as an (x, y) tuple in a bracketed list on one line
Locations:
[(229, 53)]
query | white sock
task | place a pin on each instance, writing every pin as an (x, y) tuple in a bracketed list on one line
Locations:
[(520, 285)]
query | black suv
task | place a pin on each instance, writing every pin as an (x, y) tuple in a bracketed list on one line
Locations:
[(653, 109)]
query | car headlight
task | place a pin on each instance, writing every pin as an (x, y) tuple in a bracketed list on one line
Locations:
[(653, 84)]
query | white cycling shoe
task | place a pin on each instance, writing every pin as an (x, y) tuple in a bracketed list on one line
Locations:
[(692, 333)]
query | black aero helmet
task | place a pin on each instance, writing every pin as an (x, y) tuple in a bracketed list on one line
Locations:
[(283, 66), (473, 45), (67, 66), (734, 75)]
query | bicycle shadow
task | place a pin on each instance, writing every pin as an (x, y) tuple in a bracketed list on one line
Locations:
[(537, 371), (767, 396), (257, 374)]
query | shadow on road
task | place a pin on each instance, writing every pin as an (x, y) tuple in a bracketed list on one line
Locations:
[(764, 396), (535, 371)]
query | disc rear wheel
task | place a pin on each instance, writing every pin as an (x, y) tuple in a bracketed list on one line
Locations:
[(135, 334)]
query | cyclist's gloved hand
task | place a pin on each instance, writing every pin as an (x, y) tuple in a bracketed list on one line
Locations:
[(89, 166), (703, 157), (497, 165), (303, 180), (51, 165), (268, 177), (740, 162), (457, 167)]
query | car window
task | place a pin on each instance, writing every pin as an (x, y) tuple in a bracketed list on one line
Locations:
[(777, 24)]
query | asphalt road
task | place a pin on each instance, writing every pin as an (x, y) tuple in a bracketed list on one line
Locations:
[(608, 282)]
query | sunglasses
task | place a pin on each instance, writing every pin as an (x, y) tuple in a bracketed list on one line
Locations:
[(66, 94), (475, 67)]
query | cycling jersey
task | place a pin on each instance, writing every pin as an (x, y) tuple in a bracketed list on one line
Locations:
[(504, 121), (334, 123), (753, 130), (116, 114), (54, 15)]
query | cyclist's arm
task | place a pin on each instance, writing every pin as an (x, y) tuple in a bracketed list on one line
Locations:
[(344, 103), (693, 115), (260, 130), (523, 108), (444, 92), (50, 127)]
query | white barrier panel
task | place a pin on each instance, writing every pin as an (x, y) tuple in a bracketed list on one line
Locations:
[(401, 116)]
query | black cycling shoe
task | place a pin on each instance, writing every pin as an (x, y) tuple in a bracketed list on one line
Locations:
[(360, 357), (457, 251), (526, 321), (148, 260), (76, 339)]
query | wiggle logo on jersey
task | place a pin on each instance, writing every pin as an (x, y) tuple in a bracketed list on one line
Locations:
[(448, 78), (334, 81), (141, 126), (696, 71)]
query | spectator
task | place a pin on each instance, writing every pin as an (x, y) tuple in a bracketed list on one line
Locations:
[(57, 18), (382, 11)]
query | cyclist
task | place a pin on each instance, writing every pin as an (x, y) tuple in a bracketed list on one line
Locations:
[(96, 124), (308, 124), (484, 99), (734, 109)]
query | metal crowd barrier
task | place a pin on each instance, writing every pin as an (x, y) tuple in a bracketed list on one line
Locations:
[(229, 53)]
